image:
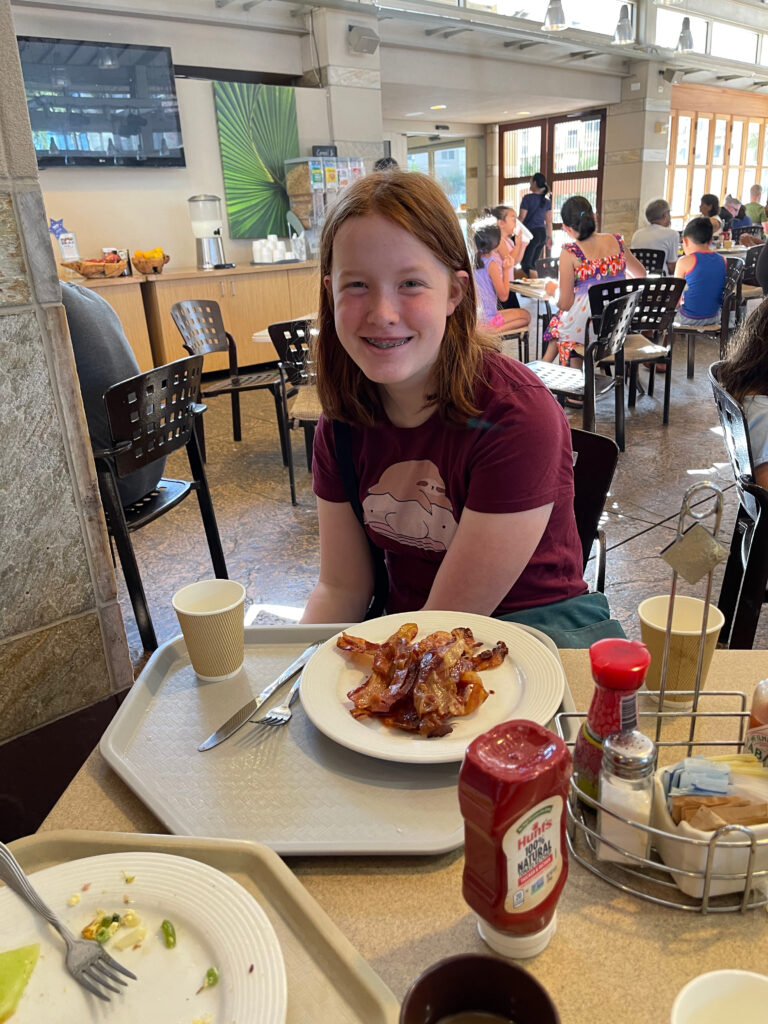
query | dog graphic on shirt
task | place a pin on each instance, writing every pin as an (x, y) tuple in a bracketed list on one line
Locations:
[(409, 505)]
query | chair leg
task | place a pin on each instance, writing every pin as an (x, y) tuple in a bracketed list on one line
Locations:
[(309, 438), (667, 388), (206, 508), (281, 412), (691, 354), (751, 594), (632, 396), (114, 509), (236, 429), (734, 571), (200, 431), (523, 351), (651, 379)]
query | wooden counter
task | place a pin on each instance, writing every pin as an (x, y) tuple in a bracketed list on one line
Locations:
[(250, 298), (124, 295), (614, 958)]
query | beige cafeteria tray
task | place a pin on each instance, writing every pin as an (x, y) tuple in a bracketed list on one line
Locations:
[(327, 979), (291, 788)]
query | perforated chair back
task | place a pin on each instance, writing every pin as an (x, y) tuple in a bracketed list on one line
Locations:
[(201, 326), (750, 229), (615, 321), (656, 305), (594, 463), (736, 437), (652, 259), (154, 411), (733, 274), (291, 341), (548, 266), (751, 257)]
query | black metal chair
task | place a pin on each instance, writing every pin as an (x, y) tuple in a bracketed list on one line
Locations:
[(743, 590), (721, 332), (150, 416), (583, 385), (749, 287), (594, 463), (654, 314), (291, 341), (750, 229), (548, 266), (202, 330), (652, 259)]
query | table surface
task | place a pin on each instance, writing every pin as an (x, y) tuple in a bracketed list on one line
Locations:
[(614, 957)]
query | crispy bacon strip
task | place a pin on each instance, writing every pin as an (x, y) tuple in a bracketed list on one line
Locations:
[(419, 685)]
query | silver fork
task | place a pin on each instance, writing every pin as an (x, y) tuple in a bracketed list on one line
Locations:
[(282, 713), (87, 961)]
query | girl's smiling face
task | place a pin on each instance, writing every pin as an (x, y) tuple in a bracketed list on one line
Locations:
[(391, 297)]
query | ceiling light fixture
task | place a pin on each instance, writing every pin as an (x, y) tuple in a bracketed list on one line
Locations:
[(685, 42), (108, 60), (522, 113), (439, 106), (554, 20), (623, 34)]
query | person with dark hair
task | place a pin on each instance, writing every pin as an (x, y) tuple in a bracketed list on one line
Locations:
[(589, 258), (704, 272), (658, 234), (744, 375), (492, 264), (719, 216), (436, 459), (386, 163), (103, 357), (536, 214), (515, 239)]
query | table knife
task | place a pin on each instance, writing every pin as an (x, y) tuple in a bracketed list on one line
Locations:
[(241, 717)]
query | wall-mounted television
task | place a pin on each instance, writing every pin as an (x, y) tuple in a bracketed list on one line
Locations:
[(101, 104)]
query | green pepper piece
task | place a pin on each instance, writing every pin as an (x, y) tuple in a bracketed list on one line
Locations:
[(169, 934), (211, 977), (102, 935)]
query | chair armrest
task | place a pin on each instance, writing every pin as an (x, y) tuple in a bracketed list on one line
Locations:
[(198, 408)]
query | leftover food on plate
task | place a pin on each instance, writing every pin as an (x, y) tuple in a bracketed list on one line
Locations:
[(419, 685), (16, 966)]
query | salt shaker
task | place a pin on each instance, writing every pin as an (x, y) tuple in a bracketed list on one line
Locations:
[(626, 788)]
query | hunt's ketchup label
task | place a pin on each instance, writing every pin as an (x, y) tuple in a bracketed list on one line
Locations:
[(513, 786)]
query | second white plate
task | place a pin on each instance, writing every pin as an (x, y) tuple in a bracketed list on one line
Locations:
[(529, 684)]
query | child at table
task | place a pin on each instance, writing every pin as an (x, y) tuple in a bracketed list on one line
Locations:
[(492, 264), (436, 458), (704, 272)]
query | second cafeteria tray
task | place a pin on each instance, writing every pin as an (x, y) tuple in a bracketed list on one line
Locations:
[(327, 979), (291, 787)]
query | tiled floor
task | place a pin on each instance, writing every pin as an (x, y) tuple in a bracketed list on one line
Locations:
[(272, 548)]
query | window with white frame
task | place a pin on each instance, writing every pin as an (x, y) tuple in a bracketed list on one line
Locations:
[(669, 25), (599, 16)]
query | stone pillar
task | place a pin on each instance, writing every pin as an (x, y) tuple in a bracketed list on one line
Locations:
[(476, 175), (62, 641), (352, 82), (492, 169), (635, 149)]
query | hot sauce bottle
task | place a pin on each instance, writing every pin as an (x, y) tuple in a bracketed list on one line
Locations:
[(513, 786), (618, 669)]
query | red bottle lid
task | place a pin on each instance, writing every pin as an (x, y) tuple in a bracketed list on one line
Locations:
[(619, 664)]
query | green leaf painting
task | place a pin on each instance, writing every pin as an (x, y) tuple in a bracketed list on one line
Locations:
[(257, 132)]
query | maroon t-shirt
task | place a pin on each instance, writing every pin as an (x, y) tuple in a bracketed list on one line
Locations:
[(415, 482)]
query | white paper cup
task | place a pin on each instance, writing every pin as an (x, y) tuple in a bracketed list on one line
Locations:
[(211, 616), (721, 996), (684, 643)]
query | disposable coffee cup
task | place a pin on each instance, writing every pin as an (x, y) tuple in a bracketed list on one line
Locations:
[(720, 996), (683, 647), (211, 615), (471, 988)]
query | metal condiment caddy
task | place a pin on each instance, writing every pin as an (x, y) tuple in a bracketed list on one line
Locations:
[(694, 554)]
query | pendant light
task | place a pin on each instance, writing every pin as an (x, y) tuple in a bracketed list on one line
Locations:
[(108, 60), (685, 42), (623, 34), (554, 20)]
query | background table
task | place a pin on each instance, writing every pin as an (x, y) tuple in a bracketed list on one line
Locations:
[(614, 958)]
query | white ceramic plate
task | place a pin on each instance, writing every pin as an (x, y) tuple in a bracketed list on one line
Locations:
[(217, 924), (528, 684)]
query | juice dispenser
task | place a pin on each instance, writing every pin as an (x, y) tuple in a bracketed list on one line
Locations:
[(205, 214)]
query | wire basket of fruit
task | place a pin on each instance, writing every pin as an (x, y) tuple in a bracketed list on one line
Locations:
[(150, 262), (108, 266)]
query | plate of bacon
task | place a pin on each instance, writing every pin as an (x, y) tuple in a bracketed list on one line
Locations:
[(419, 687)]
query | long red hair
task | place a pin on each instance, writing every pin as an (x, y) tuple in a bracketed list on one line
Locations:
[(416, 203)]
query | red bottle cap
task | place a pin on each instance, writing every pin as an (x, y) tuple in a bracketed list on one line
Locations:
[(619, 664)]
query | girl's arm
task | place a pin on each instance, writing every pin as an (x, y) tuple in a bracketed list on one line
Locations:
[(523, 213), (567, 266), (487, 555), (499, 279), (345, 587)]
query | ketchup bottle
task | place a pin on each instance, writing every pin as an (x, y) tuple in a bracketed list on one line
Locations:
[(618, 669), (513, 786)]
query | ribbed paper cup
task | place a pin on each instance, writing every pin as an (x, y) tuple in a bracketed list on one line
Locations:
[(211, 615), (684, 643)]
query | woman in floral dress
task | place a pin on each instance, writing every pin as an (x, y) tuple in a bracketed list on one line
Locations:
[(590, 258)]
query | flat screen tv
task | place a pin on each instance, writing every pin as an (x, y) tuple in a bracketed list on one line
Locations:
[(101, 104)]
